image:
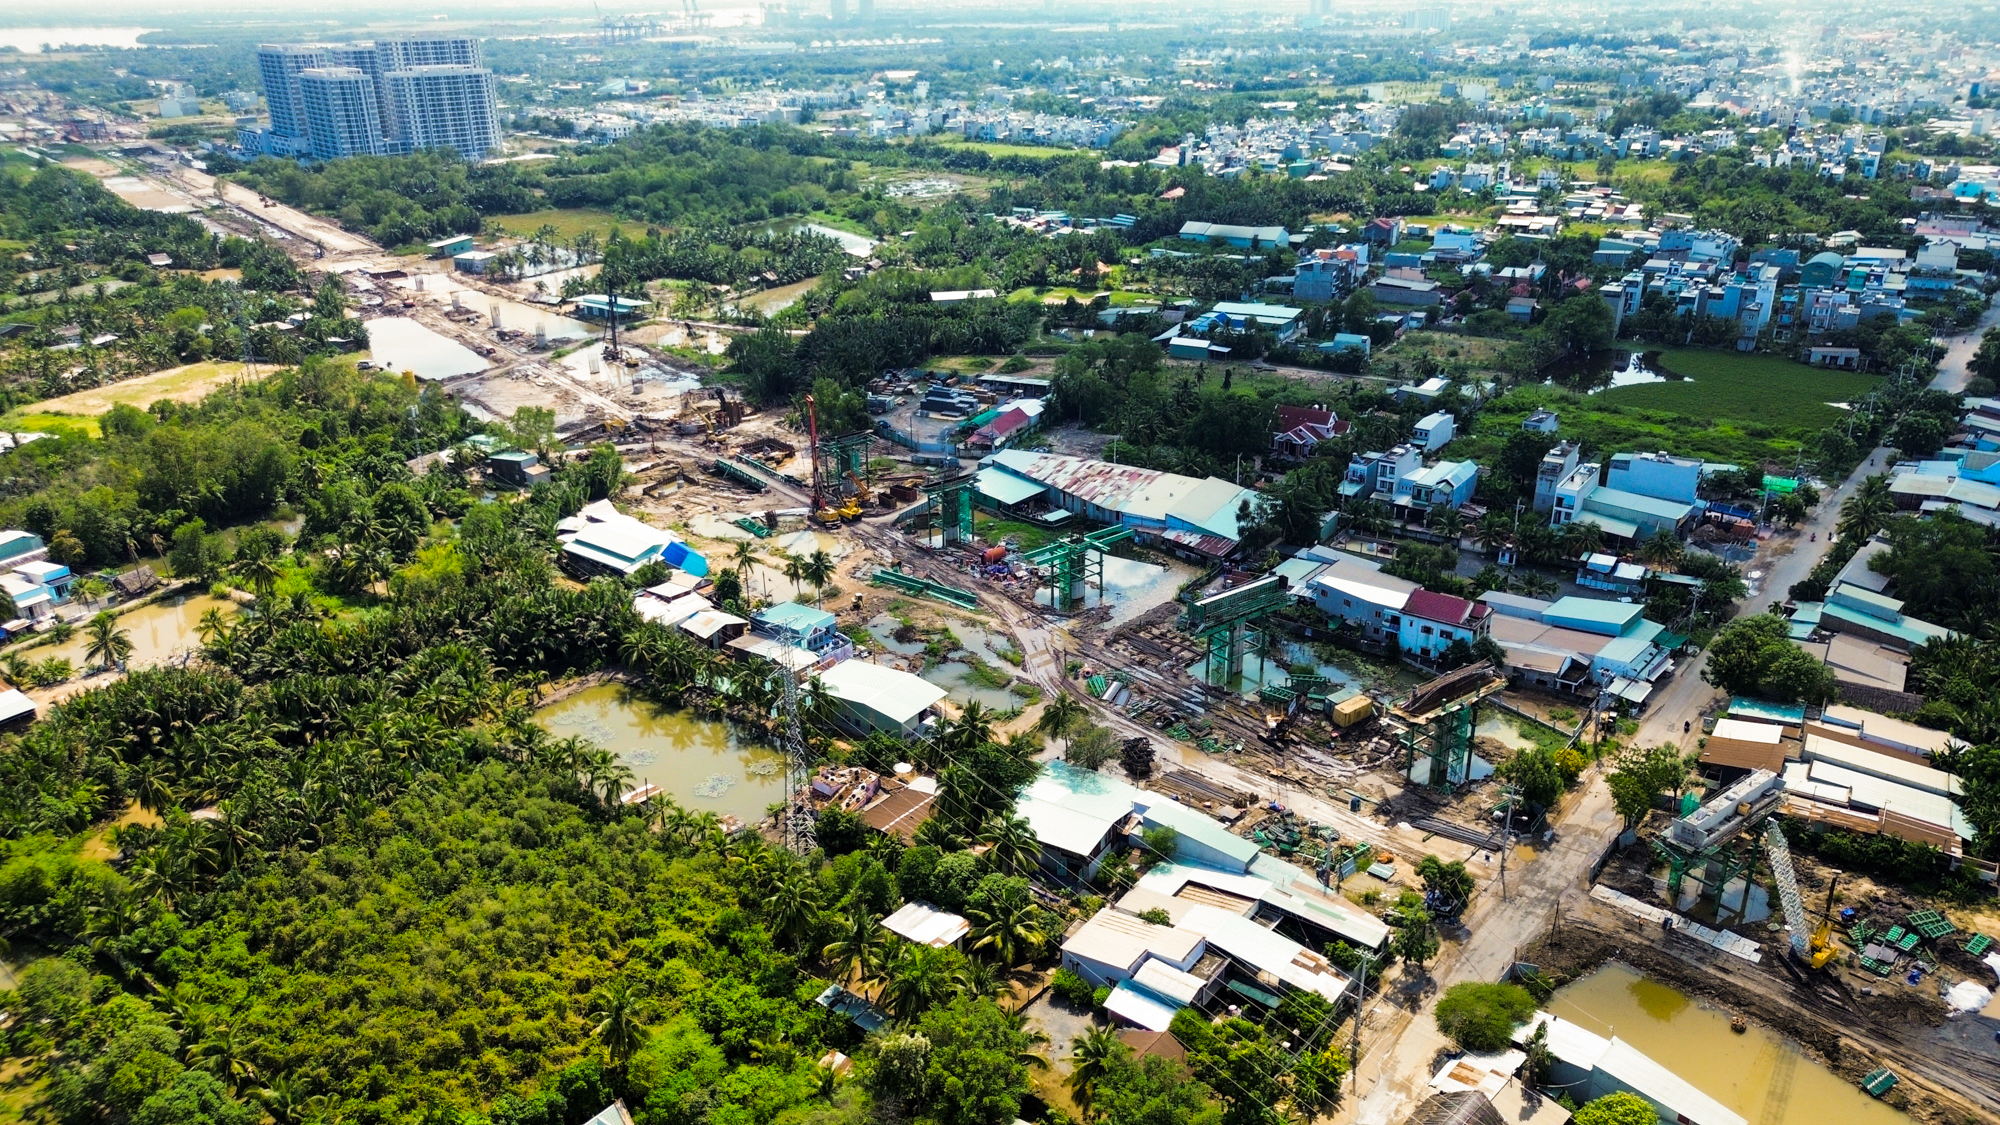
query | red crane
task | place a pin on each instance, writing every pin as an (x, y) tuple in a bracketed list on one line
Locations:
[(812, 435)]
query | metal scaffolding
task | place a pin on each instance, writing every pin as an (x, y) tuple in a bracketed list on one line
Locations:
[(1438, 719), (1064, 566), (1226, 624), (949, 504)]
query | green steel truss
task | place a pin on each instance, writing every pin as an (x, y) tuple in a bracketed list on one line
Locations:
[(1065, 565)]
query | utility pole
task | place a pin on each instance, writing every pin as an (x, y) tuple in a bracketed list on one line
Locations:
[(1360, 1008), (1507, 839)]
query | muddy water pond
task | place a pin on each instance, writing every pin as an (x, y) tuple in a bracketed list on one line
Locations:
[(1608, 368), (401, 344), (1758, 1074), (1131, 587), (706, 765), (160, 631)]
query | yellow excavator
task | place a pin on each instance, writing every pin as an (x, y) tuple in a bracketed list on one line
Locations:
[(1820, 948)]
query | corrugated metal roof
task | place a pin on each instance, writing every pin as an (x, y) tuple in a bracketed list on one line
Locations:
[(1593, 615), (1266, 951), (1140, 1006), (925, 924), (1114, 938), (896, 696), (1006, 488), (1884, 764)]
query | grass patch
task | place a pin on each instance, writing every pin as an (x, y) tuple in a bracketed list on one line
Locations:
[(997, 148), (1760, 389), (569, 222), (1026, 536)]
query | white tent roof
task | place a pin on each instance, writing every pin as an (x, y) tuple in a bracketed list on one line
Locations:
[(926, 924)]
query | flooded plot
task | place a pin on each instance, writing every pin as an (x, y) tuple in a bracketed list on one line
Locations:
[(1608, 368), (1758, 1074), (962, 685), (707, 765), (164, 630), (401, 344), (1131, 587), (1274, 668)]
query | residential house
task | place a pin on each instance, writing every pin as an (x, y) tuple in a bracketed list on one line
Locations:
[(1579, 645), (1419, 292), (1447, 485), (600, 539), (1659, 475), (1557, 464), (1619, 514), (803, 626), (1301, 429), (1433, 431), (1373, 475), (1358, 593), (1432, 622)]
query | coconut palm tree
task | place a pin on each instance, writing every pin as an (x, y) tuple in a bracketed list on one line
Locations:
[(616, 1009), (211, 625), (90, 589), (795, 572), (1008, 926), (1534, 585), (1580, 537), (1091, 1056), (1495, 530), (972, 729), (920, 978), (792, 905), (1450, 523), (818, 570), (1012, 844), (1059, 716), (1862, 513), (1661, 549), (856, 950), (108, 645), (745, 553)]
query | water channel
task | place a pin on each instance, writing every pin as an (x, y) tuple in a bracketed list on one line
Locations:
[(401, 344), (705, 765), (858, 245), (1608, 368), (1758, 1074), (160, 631)]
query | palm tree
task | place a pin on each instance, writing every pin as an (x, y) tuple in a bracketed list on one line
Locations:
[(1580, 537), (1863, 512), (211, 625), (1012, 844), (935, 833), (285, 1099), (221, 1055), (1450, 523), (1534, 585), (792, 905), (1059, 716), (616, 1009), (108, 644), (745, 554), (852, 953), (818, 570), (795, 572), (1008, 926), (90, 589), (1661, 549), (972, 729), (1091, 1056), (1494, 531), (920, 977)]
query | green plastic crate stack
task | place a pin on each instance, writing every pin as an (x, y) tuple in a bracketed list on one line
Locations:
[(1894, 936), (1977, 944), (1909, 942), (1879, 968), (1860, 931), (1879, 1081), (1097, 685), (1180, 731), (1931, 924)]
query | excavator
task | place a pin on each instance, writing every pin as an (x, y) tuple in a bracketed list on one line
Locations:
[(1820, 948)]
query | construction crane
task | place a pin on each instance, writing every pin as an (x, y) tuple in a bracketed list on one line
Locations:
[(822, 511)]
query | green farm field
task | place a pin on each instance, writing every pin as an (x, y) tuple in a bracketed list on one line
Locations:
[(1759, 389)]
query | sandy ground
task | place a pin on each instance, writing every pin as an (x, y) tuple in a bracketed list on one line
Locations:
[(291, 221)]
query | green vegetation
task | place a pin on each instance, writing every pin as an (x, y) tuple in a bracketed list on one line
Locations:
[(1482, 1017), (568, 223), (1763, 390), (97, 312), (1616, 1108), (1754, 656)]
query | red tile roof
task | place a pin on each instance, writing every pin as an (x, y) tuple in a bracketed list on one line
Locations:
[(1433, 606)]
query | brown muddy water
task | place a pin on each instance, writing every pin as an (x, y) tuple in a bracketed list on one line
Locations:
[(705, 765)]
